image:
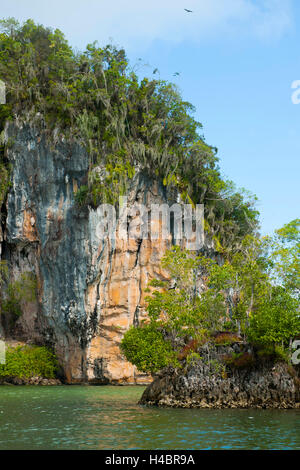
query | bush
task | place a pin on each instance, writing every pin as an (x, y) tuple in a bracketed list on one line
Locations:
[(146, 348), (29, 361)]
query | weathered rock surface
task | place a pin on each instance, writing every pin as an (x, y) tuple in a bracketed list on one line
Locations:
[(90, 290), (29, 381), (206, 384)]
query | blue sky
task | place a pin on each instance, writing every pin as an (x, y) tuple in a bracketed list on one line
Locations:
[(237, 60)]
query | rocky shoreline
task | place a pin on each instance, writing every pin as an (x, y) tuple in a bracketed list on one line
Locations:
[(29, 381), (209, 382)]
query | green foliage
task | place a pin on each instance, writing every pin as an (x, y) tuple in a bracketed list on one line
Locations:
[(182, 266), (124, 123), (112, 183), (284, 250), (193, 358), (273, 352), (81, 195), (146, 348), (176, 315), (17, 292), (276, 319), (29, 361), (4, 182), (3, 274), (237, 283), (216, 367), (180, 311), (264, 312), (4, 167), (239, 294)]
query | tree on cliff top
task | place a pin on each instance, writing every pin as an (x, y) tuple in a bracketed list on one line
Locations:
[(95, 97)]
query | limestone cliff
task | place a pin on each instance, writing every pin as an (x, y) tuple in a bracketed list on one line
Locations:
[(89, 290)]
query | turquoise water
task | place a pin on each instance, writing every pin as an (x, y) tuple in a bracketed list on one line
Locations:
[(81, 417)]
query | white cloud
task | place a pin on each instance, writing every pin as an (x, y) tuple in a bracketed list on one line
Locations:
[(135, 23)]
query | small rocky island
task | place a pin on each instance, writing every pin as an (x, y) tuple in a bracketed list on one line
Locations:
[(234, 376)]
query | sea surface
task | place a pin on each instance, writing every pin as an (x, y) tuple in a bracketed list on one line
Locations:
[(108, 417)]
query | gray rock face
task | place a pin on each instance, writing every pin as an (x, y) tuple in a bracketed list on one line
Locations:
[(209, 384), (46, 234), (90, 290)]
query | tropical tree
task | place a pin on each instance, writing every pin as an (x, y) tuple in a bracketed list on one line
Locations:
[(205, 295), (276, 320), (284, 250)]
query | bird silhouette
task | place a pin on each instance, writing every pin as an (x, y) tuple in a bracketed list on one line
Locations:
[(176, 74), (155, 71), (188, 11)]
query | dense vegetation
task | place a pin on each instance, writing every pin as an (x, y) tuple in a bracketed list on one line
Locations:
[(128, 124), (29, 361), (125, 123), (254, 294)]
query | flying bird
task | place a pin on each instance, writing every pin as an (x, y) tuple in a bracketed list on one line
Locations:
[(188, 11), (155, 71), (176, 74)]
